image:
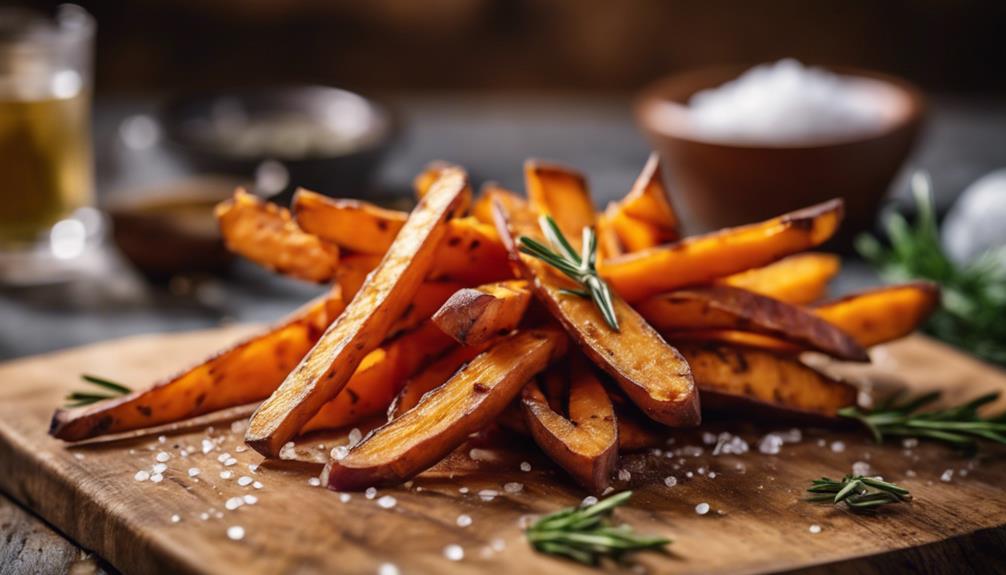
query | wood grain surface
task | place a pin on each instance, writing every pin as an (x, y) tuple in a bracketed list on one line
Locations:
[(758, 520)]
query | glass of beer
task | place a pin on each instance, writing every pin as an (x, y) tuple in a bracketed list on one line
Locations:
[(45, 140)]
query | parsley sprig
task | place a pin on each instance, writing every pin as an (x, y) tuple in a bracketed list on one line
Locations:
[(586, 534), (581, 268)]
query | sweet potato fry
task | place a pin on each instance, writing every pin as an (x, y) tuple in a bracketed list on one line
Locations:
[(422, 182), (428, 299), (360, 329), (727, 307), (702, 259), (882, 314), (490, 193), (471, 253), (474, 315), (444, 418), (433, 376), (652, 373), (608, 244), (648, 201), (798, 279), (353, 270), (728, 375), (560, 192), (352, 224), (380, 376), (634, 234), (266, 234), (586, 444), (245, 373), (734, 338)]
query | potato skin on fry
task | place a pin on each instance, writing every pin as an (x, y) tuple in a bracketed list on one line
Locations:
[(244, 373), (475, 315), (727, 375), (433, 376), (266, 234), (652, 373), (702, 259), (586, 444), (385, 294), (882, 314), (725, 307), (443, 419)]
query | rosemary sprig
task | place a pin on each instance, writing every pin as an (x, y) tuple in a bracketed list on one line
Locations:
[(973, 299), (858, 492), (586, 534), (961, 425), (81, 398), (581, 268)]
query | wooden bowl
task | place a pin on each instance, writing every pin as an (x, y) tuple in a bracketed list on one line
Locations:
[(728, 184)]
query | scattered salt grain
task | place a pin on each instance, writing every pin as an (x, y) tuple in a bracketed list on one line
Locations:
[(708, 438), (159, 468), (345, 497), (233, 503), (244, 481), (194, 471), (670, 481), (712, 475), (239, 426), (770, 444), (454, 552), (910, 443), (250, 499), (257, 485), (488, 494), (608, 490), (78, 456), (837, 446), (176, 518), (231, 462), (702, 508), (689, 474), (910, 473), (464, 520), (947, 476), (525, 466), (513, 487), (624, 475), (161, 439), (156, 478), (497, 544), (588, 501), (162, 456), (339, 452), (207, 446), (223, 457), (388, 569), (253, 467), (387, 502), (476, 454), (355, 435), (204, 516), (815, 529), (240, 449), (861, 468), (288, 451), (235, 533), (226, 474), (314, 482), (370, 493), (463, 490)]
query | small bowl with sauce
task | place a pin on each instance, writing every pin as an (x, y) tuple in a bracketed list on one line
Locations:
[(743, 146), (318, 137)]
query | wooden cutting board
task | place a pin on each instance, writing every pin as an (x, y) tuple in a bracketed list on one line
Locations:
[(758, 520)]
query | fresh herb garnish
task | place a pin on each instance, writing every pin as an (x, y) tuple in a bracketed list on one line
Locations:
[(581, 268), (858, 492), (973, 296), (81, 398), (961, 425), (586, 534)]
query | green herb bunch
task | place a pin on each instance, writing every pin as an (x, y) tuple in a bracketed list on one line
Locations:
[(858, 492)]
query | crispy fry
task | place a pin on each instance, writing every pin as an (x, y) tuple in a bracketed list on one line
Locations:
[(433, 376), (444, 418), (634, 234), (560, 192), (380, 376), (428, 299), (608, 244), (474, 315), (384, 296), (648, 201), (482, 209), (798, 279), (586, 444), (245, 373), (352, 224), (728, 375), (734, 338), (353, 270), (652, 373), (422, 182), (471, 253), (727, 307), (882, 314), (266, 234), (702, 259)]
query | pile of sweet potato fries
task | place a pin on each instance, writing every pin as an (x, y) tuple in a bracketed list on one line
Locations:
[(437, 318)]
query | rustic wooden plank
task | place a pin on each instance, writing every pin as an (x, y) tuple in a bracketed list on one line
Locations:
[(29, 546), (758, 521)]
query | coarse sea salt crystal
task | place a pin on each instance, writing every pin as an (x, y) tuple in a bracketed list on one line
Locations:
[(314, 482), (159, 468), (355, 435), (388, 569), (162, 456), (488, 494), (231, 462), (245, 481), (770, 444), (947, 476), (250, 499), (176, 518), (223, 457), (837, 446), (513, 487), (345, 497), (387, 502), (194, 471), (464, 520), (339, 452), (288, 451), (235, 533), (257, 485), (497, 544), (370, 493), (525, 466), (454, 552), (162, 439), (233, 503), (588, 501), (156, 477), (815, 529), (624, 475), (670, 481), (861, 468), (463, 490), (702, 508), (477, 454), (226, 474)]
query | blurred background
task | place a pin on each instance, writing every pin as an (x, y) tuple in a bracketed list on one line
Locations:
[(483, 83)]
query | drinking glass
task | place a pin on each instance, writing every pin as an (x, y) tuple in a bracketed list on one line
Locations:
[(47, 189)]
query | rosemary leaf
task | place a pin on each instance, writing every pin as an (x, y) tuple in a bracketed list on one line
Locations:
[(82, 398)]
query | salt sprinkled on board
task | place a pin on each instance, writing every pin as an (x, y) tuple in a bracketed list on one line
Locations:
[(947, 476), (314, 482), (488, 494), (235, 533), (159, 468), (837, 446), (345, 497), (370, 493), (387, 502), (257, 485), (194, 471), (176, 518), (233, 503), (588, 501), (288, 451), (156, 478), (464, 520), (231, 462), (786, 103), (525, 466), (670, 481), (162, 456), (226, 474), (513, 487), (815, 529), (244, 481), (624, 475), (339, 452), (861, 468), (454, 552), (702, 508), (388, 569), (250, 499)]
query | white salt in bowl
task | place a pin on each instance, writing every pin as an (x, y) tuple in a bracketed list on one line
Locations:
[(761, 148)]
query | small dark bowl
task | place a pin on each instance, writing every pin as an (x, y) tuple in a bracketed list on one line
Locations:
[(338, 137), (727, 184)]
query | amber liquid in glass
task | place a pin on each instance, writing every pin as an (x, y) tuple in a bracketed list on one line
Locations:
[(45, 163)]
